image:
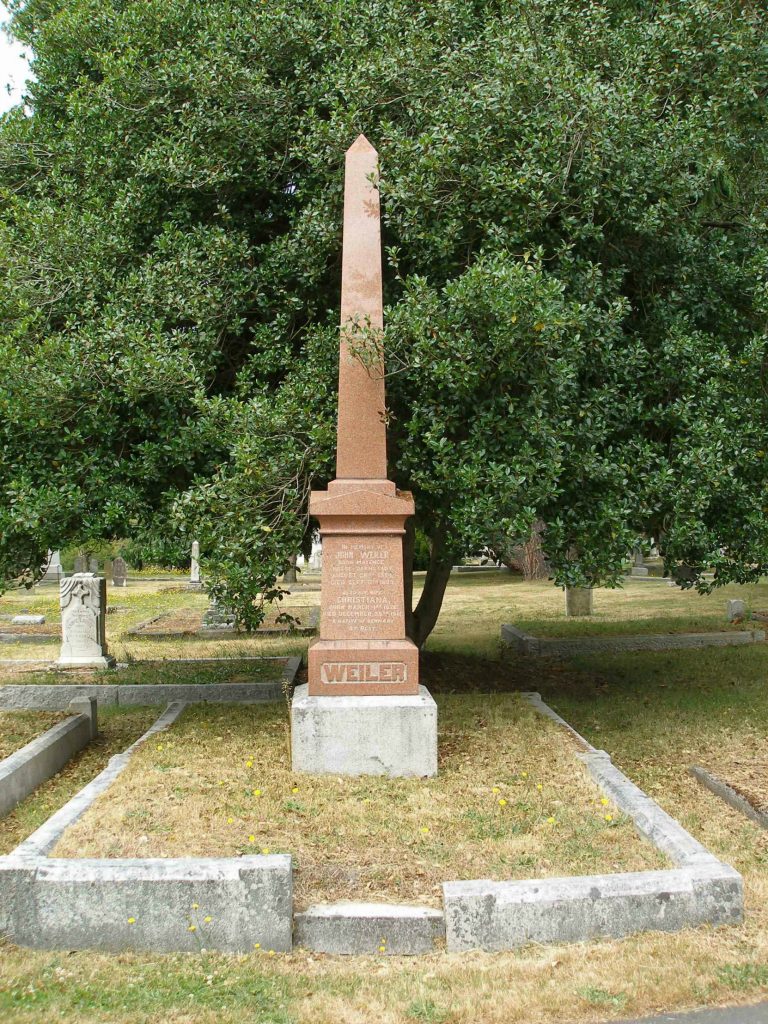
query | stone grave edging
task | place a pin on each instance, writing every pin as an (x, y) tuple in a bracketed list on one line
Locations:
[(40, 759), (562, 647), (729, 795), (146, 904), (57, 696)]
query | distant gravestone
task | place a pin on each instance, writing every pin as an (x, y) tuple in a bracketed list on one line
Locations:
[(119, 572), (218, 616), (639, 568), (83, 599), (93, 564), (28, 620), (81, 565), (578, 601), (54, 570), (194, 566), (735, 609), (108, 568)]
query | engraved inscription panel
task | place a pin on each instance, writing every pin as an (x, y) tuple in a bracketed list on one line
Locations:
[(364, 672), (80, 631), (363, 595)]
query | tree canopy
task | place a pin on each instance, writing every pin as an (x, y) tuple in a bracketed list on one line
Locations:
[(574, 201)]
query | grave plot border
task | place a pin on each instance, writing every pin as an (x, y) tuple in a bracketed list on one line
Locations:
[(40, 759), (727, 793), (147, 905), (563, 647), (57, 696)]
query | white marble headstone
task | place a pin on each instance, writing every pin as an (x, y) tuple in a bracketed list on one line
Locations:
[(83, 599)]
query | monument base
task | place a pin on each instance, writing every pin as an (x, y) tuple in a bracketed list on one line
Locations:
[(349, 668), (364, 735), (106, 661), (638, 570)]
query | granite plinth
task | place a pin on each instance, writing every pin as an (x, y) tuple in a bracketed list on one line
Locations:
[(369, 735), (348, 668)]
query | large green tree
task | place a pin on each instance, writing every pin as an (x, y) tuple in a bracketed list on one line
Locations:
[(574, 199)]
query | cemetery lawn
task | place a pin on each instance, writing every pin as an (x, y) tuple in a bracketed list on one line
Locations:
[(475, 604), (118, 728), (655, 712), (17, 728), (510, 801), (230, 669)]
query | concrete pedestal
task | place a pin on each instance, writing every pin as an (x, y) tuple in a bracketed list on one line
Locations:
[(364, 735), (638, 570)]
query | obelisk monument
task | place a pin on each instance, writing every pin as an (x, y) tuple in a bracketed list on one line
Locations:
[(363, 711), (362, 648)]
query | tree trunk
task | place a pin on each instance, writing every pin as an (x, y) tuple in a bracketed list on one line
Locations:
[(289, 576), (420, 621)]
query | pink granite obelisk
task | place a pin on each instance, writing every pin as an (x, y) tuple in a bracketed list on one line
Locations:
[(362, 648)]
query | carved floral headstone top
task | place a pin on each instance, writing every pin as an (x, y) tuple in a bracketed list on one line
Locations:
[(83, 600)]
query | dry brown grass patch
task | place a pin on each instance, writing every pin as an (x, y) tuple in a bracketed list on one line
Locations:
[(17, 728), (510, 801)]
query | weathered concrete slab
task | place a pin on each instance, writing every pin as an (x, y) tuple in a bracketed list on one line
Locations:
[(58, 696), (40, 760), (28, 620), (556, 647), (729, 795), (366, 735), (232, 905), (503, 915), (366, 928)]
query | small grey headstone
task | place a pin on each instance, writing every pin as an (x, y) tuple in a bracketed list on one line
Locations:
[(28, 620), (83, 600), (735, 609), (81, 565), (93, 564), (119, 572), (194, 566)]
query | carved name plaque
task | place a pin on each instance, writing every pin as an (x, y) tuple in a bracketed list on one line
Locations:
[(364, 672)]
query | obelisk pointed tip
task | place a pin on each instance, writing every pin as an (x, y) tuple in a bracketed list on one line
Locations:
[(361, 145)]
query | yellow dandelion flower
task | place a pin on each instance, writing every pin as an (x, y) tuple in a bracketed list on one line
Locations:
[(131, 920), (295, 789), (271, 952), (502, 802), (249, 764), (539, 786), (604, 801), (524, 775), (265, 849), (257, 792), (257, 945), (551, 820), (230, 820), (496, 789), (159, 746), (208, 919), (251, 839), (609, 817), (382, 949), (424, 830), (195, 906), (192, 928)]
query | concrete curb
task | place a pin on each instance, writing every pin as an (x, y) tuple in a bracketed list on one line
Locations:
[(370, 928), (43, 839), (238, 902), (699, 890), (154, 905), (729, 795), (43, 757), (232, 904), (554, 647), (58, 696)]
